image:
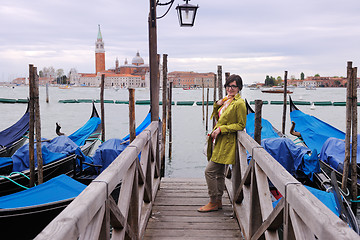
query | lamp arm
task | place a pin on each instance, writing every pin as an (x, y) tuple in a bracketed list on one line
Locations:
[(164, 4)]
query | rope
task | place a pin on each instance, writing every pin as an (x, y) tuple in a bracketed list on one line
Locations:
[(355, 200), (14, 181), (88, 139)]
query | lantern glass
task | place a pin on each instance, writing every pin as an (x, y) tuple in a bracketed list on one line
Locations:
[(186, 14)]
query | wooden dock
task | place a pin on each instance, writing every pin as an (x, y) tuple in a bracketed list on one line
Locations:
[(151, 207), (175, 214)]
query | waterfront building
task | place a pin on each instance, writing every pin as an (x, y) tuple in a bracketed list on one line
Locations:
[(125, 76), (111, 80), (182, 79), (320, 82)]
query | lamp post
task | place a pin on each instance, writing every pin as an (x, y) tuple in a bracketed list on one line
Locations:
[(186, 14)]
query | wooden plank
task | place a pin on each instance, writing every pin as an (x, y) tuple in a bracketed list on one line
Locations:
[(192, 225), (265, 199), (69, 224), (190, 218), (300, 229), (180, 233), (175, 213), (320, 219), (94, 227)]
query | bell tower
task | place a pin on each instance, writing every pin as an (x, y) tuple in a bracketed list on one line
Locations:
[(99, 53)]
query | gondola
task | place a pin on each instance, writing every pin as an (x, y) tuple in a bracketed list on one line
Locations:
[(60, 156), (106, 153), (24, 214), (323, 137), (12, 138), (45, 201), (296, 159)]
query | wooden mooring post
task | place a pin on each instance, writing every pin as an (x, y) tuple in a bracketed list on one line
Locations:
[(47, 92), (354, 142), (38, 128), (351, 135), (219, 81), (202, 103), (132, 114), (215, 87), (169, 118), (285, 102), (207, 108), (258, 127), (164, 114), (102, 86), (31, 126)]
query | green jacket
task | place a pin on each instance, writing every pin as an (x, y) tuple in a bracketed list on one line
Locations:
[(233, 119)]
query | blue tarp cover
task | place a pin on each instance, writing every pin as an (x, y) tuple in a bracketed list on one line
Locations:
[(15, 132), (291, 156), (57, 148), (56, 189), (85, 131), (109, 150), (267, 130), (326, 198), (5, 161), (314, 131), (52, 150), (333, 153)]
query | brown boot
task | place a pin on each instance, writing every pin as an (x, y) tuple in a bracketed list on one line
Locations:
[(219, 203), (210, 207)]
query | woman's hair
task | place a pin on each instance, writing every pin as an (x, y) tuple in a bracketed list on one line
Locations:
[(235, 78)]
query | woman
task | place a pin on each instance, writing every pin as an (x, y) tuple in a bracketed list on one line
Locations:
[(230, 113)]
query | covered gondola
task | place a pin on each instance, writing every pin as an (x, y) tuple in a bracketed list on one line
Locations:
[(304, 165), (12, 138), (45, 201), (326, 139), (61, 155), (24, 214)]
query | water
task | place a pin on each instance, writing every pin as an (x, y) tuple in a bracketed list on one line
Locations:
[(188, 126)]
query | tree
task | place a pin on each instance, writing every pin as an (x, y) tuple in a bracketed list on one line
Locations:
[(59, 72), (48, 72), (269, 81), (41, 73), (302, 76), (317, 75)]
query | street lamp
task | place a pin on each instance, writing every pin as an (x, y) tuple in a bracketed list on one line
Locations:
[(186, 14)]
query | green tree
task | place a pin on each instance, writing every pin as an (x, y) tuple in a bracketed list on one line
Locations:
[(317, 75), (269, 81), (302, 76)]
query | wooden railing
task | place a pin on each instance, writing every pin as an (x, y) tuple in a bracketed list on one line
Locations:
[(94, 214), (299, 214)]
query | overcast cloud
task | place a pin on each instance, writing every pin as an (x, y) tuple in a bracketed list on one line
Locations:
[(253, 38)]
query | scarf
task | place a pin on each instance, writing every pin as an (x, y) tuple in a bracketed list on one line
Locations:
[(227, 100)]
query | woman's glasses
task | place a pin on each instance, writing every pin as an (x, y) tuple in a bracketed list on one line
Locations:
[(231, 86)]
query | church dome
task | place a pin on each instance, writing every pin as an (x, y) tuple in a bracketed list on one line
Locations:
[(137, 60)]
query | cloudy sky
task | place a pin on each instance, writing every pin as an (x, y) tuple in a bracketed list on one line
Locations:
[(253, 38)]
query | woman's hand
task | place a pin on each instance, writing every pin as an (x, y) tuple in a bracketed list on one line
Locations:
[(215, 133)]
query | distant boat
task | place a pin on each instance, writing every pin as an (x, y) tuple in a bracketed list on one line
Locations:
[(65, 87), (275, 90), (310, 88)]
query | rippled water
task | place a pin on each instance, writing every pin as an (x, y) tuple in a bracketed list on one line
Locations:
[(188, 125)]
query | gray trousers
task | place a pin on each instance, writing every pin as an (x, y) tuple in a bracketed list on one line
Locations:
[(215, 179)]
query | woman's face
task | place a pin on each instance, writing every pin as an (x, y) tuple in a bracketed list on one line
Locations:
[(232, 89)]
